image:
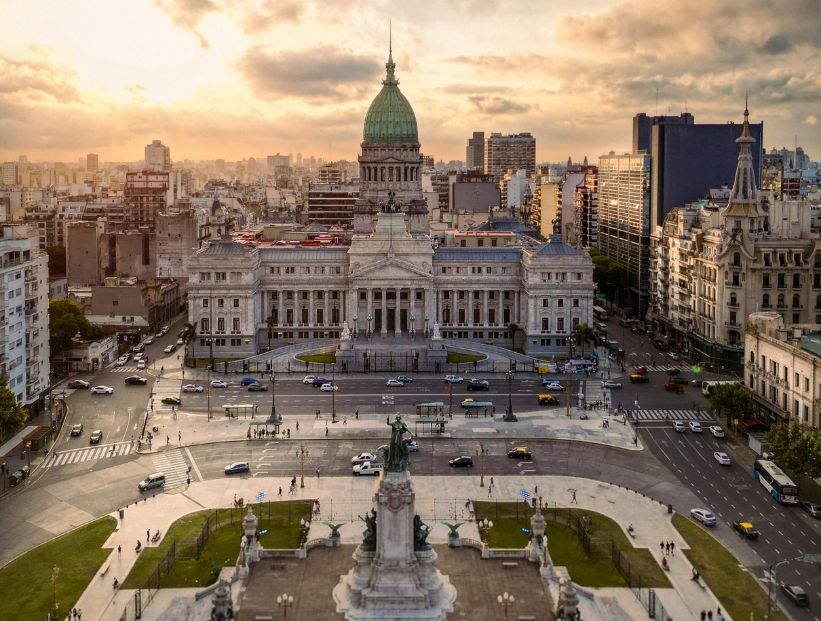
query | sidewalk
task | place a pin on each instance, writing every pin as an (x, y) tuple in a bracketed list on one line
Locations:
[(438, 499)]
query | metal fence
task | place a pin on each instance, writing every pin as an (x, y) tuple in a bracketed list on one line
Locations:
[(371, 363)]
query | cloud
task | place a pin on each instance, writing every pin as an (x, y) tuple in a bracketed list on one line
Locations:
[(37, 80), (187, 14), (261, 19), (494, 63), (777, 44), (498, 105), (319, 73), (811, 119)]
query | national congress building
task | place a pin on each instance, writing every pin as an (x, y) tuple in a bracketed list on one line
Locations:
[(392, 279)]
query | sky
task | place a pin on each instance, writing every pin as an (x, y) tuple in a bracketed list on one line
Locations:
[(247, 78)]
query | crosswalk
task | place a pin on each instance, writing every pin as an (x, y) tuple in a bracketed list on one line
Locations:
[(671, 415), (126, 370), (173, 465), (89, 453)]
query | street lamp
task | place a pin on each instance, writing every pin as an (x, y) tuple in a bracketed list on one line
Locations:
[(509, 416), (355, 318), (772, 597), (370, 319), (485, 525), (301, 454), (285, 601), (450, 404), (426, 325), (274, 417), (481, 453), (333, 393), (505, 601), (209, 393), (413, 321)]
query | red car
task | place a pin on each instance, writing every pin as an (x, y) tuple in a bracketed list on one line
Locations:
[(673, 386), (641, 370)]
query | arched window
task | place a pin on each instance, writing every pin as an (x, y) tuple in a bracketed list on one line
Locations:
[(733, 301), (765, 301), (736, 258), (796, 300), (780, 300)]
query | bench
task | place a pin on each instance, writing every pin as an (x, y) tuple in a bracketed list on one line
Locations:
[(526, 618), (510, 564), (104, 570)]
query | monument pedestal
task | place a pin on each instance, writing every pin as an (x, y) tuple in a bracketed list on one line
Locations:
[(397, 579)]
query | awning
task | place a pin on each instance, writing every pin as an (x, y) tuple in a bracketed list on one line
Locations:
[(751, 423)]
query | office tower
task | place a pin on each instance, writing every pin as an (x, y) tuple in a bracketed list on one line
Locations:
[(331, 173), (8, 173), (624, 220), (475, 153), (512, 152), (157, 157), (92, 163), (145, 196), (331, 203)]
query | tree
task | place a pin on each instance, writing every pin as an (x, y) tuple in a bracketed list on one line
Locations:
[(56, 261), (610, 276), (12, 414), (189, 333), (66, 319), (797, 448), (584, 335), (512, 330), (270, 322), (733, 400)]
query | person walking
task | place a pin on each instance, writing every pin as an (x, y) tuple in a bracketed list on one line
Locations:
[(147, 535), (317, 473), (119, 551), (573, 499), (297, 425), (703, 615), (672, 548), (661, 546), (179, 436), (356, 415)]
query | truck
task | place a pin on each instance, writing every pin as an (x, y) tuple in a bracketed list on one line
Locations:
[(367, 468)]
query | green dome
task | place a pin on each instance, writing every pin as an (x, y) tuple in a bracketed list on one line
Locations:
[(390, 119)]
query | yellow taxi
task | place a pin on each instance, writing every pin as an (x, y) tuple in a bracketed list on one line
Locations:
[(546, 399)]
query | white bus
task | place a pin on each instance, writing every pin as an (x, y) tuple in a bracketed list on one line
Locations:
[(776, 482), (708, 387)]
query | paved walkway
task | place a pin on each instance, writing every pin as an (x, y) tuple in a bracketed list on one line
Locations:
[(438, 499)]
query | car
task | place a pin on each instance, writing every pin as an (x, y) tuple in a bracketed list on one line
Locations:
[(394, 383), (673, 371), (238, 467), (813, 508), (257, 387), (180, 342), (678, 379), (367, 468), (78, 383), (318, 381), (641, 370), (674, 356), (219, 384), (704, 516), (610, 384), (148, 341), (695, 426), (15, 478), (171, 400), (405, 379), (135, 380), (158, 335), (138, 356), (794, 593), (192, 388), (247, 381), (168, 349), (454, 379), (363, 457), (413, 446), (141, 365), (552, 385), (138, 349), (717, 431), (308, 379), (520, 452), (95, 437), (463, 461), (77, 429), (745, 529), (328, 387), (679, 426), (722, 458), (102, 390), (478, 384), (165, 330), (546, 399), (672, 386), (636, 330), (637, 378), (121, 362)]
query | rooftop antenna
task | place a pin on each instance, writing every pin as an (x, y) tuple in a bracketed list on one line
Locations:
[(390, 37), (657, 101)]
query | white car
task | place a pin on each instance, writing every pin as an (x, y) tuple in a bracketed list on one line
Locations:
[(405, 379), (695, 426), (192, 388), (180, 342), (148, 341), (454, 379), (703, 516), (722, 458), (121, 361), (140, 364), (553, 386), (717, 431), (394, 383), (102, 390), (165, 330), (328, 387), (679, 426), (168, 349), (610, 384), (218, 384), (139, 356), (675, 356), (308, 379), (363, 457)]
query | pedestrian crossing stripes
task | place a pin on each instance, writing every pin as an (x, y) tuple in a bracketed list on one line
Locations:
[(126, 370), (173, 465), (76, 456), (671, 415)]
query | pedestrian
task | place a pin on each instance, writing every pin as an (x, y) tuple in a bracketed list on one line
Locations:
[(573, 499), (703, 615), (667, 548), (255, 434), (289, 432), (356, 415), (279, 493), (535, 489), (540, 502), (119, 550), (673, 548), (167, 440), (326, 431), (661, 545), (491, 481), (710, 615), (179, 436), (317, 473), (79, 613), (297, 425), (489, 490), (317, 415), (344, 420), (148, 534)]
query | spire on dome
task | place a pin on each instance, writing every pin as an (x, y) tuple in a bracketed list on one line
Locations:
[(744, 196), (390, 66)]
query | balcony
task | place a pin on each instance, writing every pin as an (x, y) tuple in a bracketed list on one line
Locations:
[(732, 324), (732, 304), (732, 283)]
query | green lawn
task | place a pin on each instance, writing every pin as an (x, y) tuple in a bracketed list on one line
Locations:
[(737, 589), (456, 358), (27, 591), (595, 570), (320, 358), (222, 546)]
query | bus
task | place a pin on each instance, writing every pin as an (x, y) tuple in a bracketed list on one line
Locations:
[(708, 387), (776, 482), (599, 313)]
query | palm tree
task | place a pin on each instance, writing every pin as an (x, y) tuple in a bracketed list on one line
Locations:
[(189, 333), (584, 335), (270, 322)]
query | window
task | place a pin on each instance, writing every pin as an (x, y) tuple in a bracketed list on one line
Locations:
[(545, 302), (796, 301), (560, 303), (765, 301), (205, 276), (781, 281), (796, 258), (545, 324), (575, 322), (236, 302), (205, 302), (560, 324), (766, 281), (796, 281), (235, 324), (219, 276), (274, 295), (220, 325), (220, 303), (575, 302), (204, 326), (290, 269)]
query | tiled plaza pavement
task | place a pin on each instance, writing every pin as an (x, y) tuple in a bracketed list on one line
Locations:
[(311, 581)]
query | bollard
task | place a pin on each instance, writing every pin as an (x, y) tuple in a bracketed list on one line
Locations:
[(122, 514), (669, 508)]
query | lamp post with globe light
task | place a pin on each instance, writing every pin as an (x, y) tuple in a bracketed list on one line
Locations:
[(505, 601), (285, 601)]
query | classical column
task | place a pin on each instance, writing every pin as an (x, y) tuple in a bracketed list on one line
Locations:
[(384, 310), (500, 315), (311, 320), (484, 307), (370, 308), (454, 311), (431, 307), (327, 317)]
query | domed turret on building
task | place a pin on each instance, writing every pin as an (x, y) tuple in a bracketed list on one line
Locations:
[(390, 119)]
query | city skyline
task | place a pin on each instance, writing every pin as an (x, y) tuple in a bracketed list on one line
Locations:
[(213, 80)]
